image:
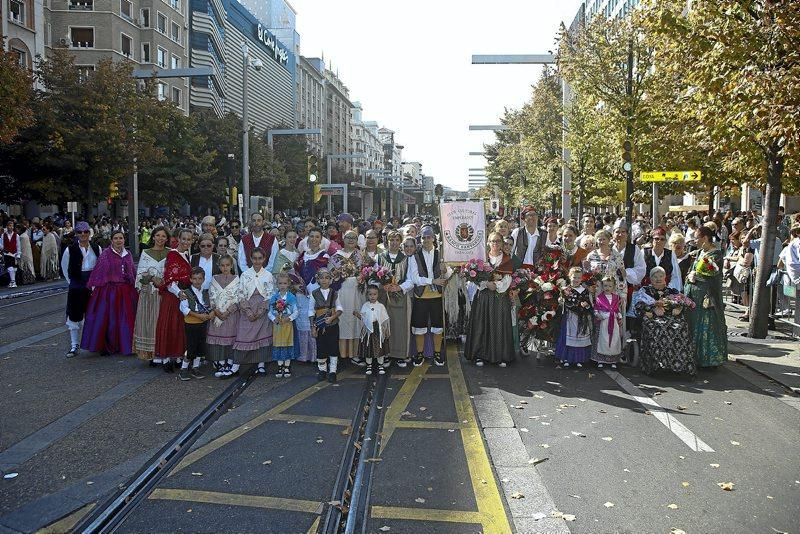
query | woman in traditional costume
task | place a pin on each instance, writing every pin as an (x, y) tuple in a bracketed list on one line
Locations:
[(704, 286), (490, 337), (224, 298), (149, 276), (398, 301), (311, 259), (372, 247), (572, 252), (287, 256), (254, 333), (346, 263), (665, 342), (170, 335), (49, 260), (111, 312)]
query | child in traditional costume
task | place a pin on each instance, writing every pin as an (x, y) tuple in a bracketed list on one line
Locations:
[(325, 325), (282, 312), (307, 349), (254, 334), (374, 344), (224, 295), (196, 310), (575, 338), (608, 336)]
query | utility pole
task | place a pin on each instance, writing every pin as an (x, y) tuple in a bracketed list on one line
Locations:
[(629, 129)]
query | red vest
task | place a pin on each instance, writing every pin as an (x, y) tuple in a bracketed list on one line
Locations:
[(265, 245), (10, 243)]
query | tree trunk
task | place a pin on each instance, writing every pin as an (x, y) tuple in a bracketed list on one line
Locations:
[(760, 307)]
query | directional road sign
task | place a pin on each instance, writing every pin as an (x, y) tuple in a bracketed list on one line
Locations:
[(671, 176)]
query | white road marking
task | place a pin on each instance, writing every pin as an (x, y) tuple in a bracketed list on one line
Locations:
[(676, 427)]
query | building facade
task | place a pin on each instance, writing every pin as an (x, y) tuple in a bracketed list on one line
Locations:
[(364, 140), (149, 33), (310, 112), (609, 8), (337, 119), (219, 27), (22, 23)]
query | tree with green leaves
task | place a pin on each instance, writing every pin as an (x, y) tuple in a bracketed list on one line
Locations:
[(16, 94), (739, 63)]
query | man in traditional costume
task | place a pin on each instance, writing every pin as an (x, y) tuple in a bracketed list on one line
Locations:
[(429, 275), (528, 238), (257, 238), (635, 269), (11, 251), (77, 263)]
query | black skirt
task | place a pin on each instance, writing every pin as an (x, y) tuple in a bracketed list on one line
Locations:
[(328, 342), (490, 337)]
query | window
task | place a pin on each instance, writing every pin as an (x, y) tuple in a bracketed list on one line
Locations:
[(81, 5), (22, 57), (126, 45), (16, 11), (176, 96), (161, 24), (82, 37), (162, 58), (144, 18), (176, 4), (161, 91), (84, 71), (175, 32), (176, 62), (126, 9), (145, 52)]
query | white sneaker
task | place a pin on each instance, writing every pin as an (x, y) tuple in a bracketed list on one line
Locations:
[(479, 363), (12, 285), (401, 364), (599, 365), (502, 364), (579, 365), (368, 371), (565, 364), (613, 366)]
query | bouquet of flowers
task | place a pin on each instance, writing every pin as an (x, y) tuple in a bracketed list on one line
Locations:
[(280, 306), (346, 269), (540, 296), (677, 302), (706, 267), (521, 280), (374, 275), (147, 278), (477, 271)]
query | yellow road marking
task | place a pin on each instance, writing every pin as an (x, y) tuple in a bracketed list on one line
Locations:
[(237, 499), (487, 495), (427, 514), (441, 425), (314, 526), (65, 524), (316, 419), (238, 432), (400, 403)]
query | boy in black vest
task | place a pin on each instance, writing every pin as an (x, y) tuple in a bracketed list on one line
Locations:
[(77, 263), (196, 312), (324, 315)]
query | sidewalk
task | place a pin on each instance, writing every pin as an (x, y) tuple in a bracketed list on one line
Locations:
[(39, 287), (776, 357)]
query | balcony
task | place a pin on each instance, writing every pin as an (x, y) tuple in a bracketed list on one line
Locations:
[(85, 5)]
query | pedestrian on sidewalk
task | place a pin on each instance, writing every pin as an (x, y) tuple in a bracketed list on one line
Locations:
[(196, 309), (111, 311), (77, 263)]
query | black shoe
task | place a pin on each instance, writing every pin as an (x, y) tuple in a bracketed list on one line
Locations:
[(280, 372), (196, 374), (73, 350), (262, 371), (184, 376), (332, 378), (287, 371), (438, 359), (151, 363), (358, 361), (169, 366), (321, 375), (418, 359)]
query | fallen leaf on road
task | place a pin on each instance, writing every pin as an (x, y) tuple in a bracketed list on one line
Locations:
[(9, 476), (523, 402), (384, 528), (524, 429), (727, 486), (538, 515), (517, 495), (197, 474), (290, 422), (607, 438), (579, 434), (674, 530), (266, 462), (451, 429), (648, 412), (89, 483), (672, 506), (685, 484), (728, 403), (538, 397), (575, 496), (160, 422), (602, 411), (422, 408), (537, 461), (735, 443), (319, 440), (714, 465), (419, 500), (609, 505), (681, 408), (374, 460), (567, 405), (347, 431), (545, 423), (544, 446), (568, 517)]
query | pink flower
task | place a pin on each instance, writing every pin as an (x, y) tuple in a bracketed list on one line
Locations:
[(473, 274)]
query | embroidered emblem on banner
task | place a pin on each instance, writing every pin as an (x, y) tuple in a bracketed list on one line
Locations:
[(464, 232)]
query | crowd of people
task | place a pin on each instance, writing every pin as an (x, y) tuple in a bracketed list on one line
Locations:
[(372, 293)]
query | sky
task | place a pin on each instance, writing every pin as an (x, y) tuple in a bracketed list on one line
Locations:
[(409, 64)]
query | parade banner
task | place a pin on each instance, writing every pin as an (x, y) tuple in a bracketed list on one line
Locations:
[(463, 231)]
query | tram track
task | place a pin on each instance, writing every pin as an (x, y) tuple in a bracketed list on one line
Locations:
[(347, 510)]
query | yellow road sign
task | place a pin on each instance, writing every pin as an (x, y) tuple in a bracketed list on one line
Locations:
[(671, 176)]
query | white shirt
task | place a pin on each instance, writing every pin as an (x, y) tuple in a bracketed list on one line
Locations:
[(414, 274), (242, 257), (88, 263), (533, 238), (675, 280), (207, 264), (184, 305), (408, 285), (325, 293), (791, 260), (634, 275)]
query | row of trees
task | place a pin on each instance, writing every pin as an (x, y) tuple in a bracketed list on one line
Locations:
[(715, 87), (71, 135)]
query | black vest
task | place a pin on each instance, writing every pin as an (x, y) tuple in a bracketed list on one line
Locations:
[(521, 244), (321, 303), (630, 255), (76, 260), (422, 269), (650, 261)]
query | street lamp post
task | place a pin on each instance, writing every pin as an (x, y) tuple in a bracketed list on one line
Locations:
[(256, 64)]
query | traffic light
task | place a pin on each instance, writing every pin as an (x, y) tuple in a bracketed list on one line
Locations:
[(234, 196), (317, 193), (313, 168), (438, 190), (627, 166), (113, 190)]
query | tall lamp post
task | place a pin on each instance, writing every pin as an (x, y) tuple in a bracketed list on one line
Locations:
[(258, 65)]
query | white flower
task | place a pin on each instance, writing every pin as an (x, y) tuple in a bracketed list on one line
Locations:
[(549, 314), (534, 321), (547, 286)]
